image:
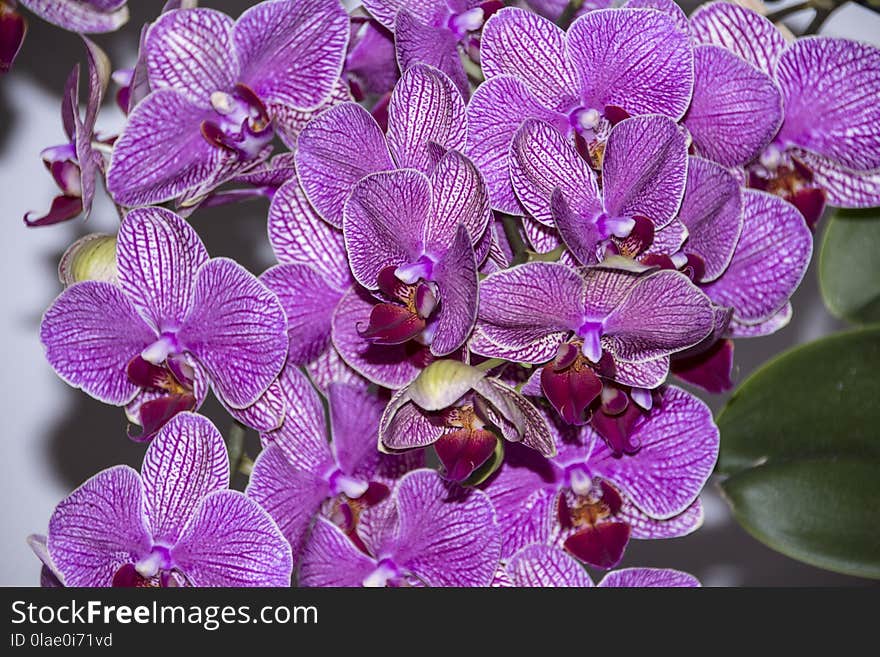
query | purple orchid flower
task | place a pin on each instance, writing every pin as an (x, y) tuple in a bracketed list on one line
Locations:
[(828, 148), (221, 90), (13, 28), (176, 321), (174, 524), (618, 324), (462, 413), (643, 172), (572, 80), (75, 165), (310, 281), (300, 475), (545, 566), (435, 32), (412, 237), (428, 533), (370, 66), (591, 501), (426, 118), (85, 16)]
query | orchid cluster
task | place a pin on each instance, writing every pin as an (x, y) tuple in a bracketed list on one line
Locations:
[(502, 234)]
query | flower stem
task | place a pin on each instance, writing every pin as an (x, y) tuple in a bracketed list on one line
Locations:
[(514, 238), (567, 15), (235, 447)]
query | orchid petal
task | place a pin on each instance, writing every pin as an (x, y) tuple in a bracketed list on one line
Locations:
[(334, 152), (292, 51), (99, 527), (635, 59), (185, 462), (770, 259), (736, 109), (231, 541), (90, 333), (237, 330)]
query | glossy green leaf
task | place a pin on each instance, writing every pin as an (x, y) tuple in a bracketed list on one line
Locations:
[(849, 265), (800, 439), (820, 400), (824, 512)]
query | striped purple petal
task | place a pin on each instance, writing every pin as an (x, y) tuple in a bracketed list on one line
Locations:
[(736, 109), (390, 366), (308, 302), (237, 330), (648, 577), (495, 112), (830, 87), (456, 277), (425, 112), (635, 59), (384, 222), (334, 152), (292, 51), (740, 30), (644, 527), (523, 492), (99, 528), (644, 169), (299, 236), (545, 566), (231, 541), (769, 262), (331, 559), (446, 536), (843, 187), (678, 448), (459, 197), (711, 210), (529, 47), (185, 462), (90, 333), (663, 313), (87, 16), (419, 43), (162, 154), (542, 160), (507, 316), (290, 495), (158, 254), (191, 51)]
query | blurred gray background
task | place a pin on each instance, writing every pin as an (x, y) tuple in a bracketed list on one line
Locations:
[(54, 437)]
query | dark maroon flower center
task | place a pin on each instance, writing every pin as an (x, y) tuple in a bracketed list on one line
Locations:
[(405, 315), (782, 174), (172, 386), (467, 444), (600, 537)]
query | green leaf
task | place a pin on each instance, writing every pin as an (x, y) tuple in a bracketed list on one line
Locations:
[(823, 512), (819, 400), (800, 439), (849, 265)]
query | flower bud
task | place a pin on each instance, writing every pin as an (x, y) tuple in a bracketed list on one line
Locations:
[(442, 383), (90, 258)]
